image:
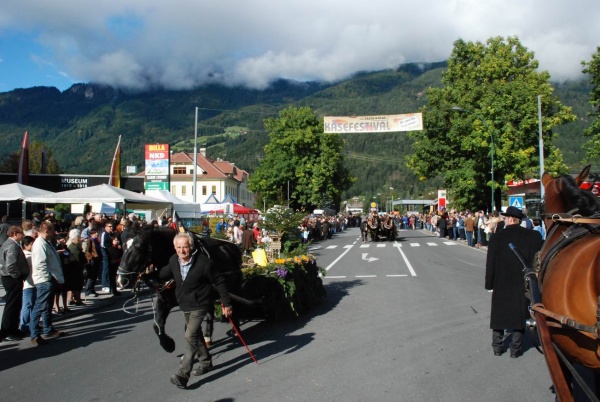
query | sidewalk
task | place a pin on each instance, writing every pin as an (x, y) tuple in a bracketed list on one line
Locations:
[(90, 305)]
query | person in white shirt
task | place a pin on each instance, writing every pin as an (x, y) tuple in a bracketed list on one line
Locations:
[(46, 274)]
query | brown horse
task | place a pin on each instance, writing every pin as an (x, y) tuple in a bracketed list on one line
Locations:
[(570, 270)]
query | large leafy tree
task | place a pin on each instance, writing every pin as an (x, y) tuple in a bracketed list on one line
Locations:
[(10, 164), (489, 93), (301, 158), (592, 68)]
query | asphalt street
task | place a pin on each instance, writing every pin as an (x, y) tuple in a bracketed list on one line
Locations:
[(403, 321)]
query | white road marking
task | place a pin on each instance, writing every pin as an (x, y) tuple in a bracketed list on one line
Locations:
[(432, 244), (366, 276), (381, 245), (450, 243), (331, 247), (337, 259), (334, 277), (397, 245), (410, 268), (370, 259), (415, 245), (349, 246), (393, 276), (364, 245)]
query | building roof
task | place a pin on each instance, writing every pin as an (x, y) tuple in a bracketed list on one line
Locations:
[(208, 168)]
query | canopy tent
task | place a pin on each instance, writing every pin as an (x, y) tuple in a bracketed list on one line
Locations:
[(102, 193), (184, 209), (17, 191), (212, 199), (248, 213)]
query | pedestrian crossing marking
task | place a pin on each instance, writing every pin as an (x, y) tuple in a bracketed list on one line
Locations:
[(331, 247), (450, 243), (349, 246), (366, 276), (432, 244), (364, 246), (381, 245), (394, 276), (415, 245)]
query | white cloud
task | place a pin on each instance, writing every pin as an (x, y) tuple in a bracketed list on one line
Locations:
[(181, 44)]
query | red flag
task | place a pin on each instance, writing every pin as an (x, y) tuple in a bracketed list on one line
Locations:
[(115, 169), (23, 173)]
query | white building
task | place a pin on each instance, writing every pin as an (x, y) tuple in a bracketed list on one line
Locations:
[(216, 177)]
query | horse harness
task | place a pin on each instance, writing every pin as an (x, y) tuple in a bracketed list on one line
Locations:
[(579, 227)]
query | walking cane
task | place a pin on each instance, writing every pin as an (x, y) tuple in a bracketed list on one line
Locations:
[(242, 339)]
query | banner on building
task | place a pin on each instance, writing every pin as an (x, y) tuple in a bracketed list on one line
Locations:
[(373, 124), (157, 167)]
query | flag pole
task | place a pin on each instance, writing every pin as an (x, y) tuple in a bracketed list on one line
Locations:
[(115, 168)]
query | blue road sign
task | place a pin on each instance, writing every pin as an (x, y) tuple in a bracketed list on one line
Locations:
[(516, 202)]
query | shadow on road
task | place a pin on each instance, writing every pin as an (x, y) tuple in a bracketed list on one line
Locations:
[(280, 336), (81, 331)]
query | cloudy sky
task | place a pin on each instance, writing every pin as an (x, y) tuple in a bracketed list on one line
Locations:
[(184, 43)]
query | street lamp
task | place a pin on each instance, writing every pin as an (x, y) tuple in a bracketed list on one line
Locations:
[(460, 109), (392, 202)]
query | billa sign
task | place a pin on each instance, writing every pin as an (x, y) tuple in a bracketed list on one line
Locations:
[(157, 167)]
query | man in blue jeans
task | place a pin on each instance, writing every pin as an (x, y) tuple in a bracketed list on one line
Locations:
[(46, 274)]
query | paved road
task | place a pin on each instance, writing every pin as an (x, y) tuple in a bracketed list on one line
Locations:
[(404, 321)]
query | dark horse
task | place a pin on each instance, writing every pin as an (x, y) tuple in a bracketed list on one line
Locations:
[(388, 228), (373, 226), (153, 246), (569, 270)]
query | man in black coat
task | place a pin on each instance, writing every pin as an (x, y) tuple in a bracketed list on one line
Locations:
[(504, 275), (13, 271), (194, 275)]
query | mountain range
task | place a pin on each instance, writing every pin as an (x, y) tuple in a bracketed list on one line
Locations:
[(81, 125)]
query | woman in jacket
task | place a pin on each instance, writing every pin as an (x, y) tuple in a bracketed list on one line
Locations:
[(74, 263)]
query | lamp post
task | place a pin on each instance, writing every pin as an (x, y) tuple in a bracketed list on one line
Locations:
[(460, 109), (392, 201), (195, 180)]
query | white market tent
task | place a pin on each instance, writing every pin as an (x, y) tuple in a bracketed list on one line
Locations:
[(102, 193), (17, 191), (184, 209)]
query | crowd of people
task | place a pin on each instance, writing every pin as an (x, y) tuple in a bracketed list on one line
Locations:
[(48, 265), (475, 228)]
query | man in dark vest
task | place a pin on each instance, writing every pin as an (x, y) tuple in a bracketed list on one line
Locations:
[(504, 275)]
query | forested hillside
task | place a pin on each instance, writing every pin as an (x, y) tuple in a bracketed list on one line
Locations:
[(81, 125)]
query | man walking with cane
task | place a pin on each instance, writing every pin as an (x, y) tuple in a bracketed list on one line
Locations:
[(194, 275)]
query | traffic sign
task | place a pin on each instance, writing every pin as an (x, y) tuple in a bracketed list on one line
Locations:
[(516, 202)]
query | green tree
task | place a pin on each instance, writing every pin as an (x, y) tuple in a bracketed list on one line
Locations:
[(489, 93), (299, 156), (592, 68), (10, 164)]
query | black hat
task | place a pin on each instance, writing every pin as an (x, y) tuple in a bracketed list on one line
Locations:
[(514, 212)]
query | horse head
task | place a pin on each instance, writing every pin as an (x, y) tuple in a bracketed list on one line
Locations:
[(563, 194), (149, 246)]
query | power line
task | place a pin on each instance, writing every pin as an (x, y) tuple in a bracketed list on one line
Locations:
[(371, 158)]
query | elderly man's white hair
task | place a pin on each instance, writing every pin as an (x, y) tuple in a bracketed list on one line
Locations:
[(187, 236)]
